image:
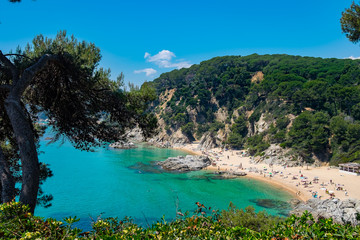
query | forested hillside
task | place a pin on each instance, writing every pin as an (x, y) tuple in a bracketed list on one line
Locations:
[(309, 105)]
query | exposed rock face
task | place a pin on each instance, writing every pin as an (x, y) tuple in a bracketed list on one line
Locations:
[(185, 164), (277, 155), (260, 126), (257, 77), (135, 135), (208, 141), (342, 212), (176, 139), (122, 145)]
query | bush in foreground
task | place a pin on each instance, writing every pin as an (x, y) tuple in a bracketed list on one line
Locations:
[(17, 223)]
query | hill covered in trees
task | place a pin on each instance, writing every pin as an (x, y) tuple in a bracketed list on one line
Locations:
[(309, 106)]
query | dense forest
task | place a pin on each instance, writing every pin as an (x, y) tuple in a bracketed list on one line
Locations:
[(312, 105)]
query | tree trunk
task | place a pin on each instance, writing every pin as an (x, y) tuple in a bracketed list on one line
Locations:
[(7, 180), (29, 158), (22, 126)]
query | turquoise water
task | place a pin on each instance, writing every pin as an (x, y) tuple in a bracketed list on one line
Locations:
[(121, 183)]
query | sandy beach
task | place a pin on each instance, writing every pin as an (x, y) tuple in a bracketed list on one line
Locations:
[(302, 182)]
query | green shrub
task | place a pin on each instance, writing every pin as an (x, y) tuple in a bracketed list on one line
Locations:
[(256, 144), (17, 223), (248, 218)]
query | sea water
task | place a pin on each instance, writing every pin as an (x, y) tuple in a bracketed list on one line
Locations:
[(119, 183)]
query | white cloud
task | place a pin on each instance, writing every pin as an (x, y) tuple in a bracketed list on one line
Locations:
[(147, 71), (353, 58), (163, 59)]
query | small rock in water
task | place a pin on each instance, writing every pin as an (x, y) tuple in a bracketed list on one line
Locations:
[(145, 168), (271, 203), (185, 164)]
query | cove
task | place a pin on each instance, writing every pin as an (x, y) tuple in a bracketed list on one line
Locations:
[(119, 183)]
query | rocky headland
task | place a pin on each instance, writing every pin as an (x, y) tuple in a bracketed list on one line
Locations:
[(342, 212)]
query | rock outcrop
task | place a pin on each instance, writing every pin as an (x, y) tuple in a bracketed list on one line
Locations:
[(185, 164), (165, 140), (208, 141), (134, 135), (342, 212), (276, 155), (122, 145)]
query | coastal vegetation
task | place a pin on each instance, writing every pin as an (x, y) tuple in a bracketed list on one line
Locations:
[(311, 105), (17, 223)]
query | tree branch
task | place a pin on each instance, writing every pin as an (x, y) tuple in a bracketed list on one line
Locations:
[(18, 55), (9, 64), (29, 74)]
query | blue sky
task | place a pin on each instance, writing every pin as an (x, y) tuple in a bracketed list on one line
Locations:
[(146, 38)]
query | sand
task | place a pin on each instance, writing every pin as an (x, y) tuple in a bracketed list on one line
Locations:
[(329, 178)]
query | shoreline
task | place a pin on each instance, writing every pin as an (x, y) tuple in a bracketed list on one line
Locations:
[(300, 182), (192, 152), (269, 181), (249, 175)]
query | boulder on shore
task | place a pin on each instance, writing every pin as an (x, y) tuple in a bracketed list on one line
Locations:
[(185, 163)]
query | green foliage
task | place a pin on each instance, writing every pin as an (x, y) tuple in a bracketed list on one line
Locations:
[(17, 223), (188, 130), (238, 132), (235, 141), (201, 129), (248, 218), (256, 144), (279, 137), (291, 85), (346, 139), (350, 22), (179, 119), (216, 126), (255, 116), (240, 126), (282, 122), (309, 133)]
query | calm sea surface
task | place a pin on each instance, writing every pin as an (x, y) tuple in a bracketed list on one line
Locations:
[(121, 183)]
